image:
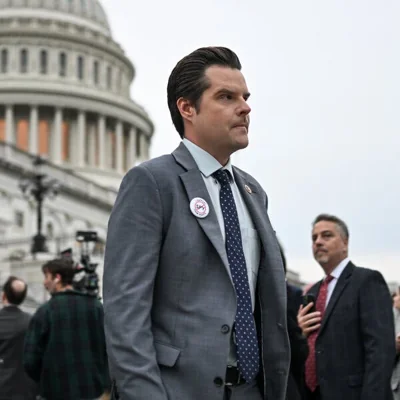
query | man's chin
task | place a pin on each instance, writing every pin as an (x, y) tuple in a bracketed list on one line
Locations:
[(322, 259), (242, 143)]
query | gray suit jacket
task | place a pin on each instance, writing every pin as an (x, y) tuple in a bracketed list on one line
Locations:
[(396, 371), (169, 300)]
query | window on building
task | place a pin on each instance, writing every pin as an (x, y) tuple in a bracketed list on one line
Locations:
[(96, 72), (43, 62), (4, 61), (109, 77), (23, 62), (63, 64), (80, 66), (19, 219), (119, 80)]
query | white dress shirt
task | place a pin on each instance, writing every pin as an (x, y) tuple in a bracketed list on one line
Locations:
[(336, 275), (251, 243)]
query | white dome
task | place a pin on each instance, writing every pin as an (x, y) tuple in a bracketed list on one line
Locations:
[(90, 10)]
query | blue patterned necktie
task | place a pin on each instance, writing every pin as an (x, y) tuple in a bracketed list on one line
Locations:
[(245, 330)]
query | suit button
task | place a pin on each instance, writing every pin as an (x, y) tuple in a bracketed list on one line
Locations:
[(225, 329), (218, 381)]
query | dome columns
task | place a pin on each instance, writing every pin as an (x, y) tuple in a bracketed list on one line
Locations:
[(33, 129), (76, 138)]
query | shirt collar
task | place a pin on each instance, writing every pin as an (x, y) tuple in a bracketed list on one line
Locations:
[(206, 163), (340, 268)]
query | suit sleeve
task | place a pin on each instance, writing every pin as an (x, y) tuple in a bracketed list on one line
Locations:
[(377, 327), (131, 260), (35, 344)]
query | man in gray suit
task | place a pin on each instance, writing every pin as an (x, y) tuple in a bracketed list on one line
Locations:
[(194, 287)]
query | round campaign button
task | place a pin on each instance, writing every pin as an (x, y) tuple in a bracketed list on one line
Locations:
[(199, 207)]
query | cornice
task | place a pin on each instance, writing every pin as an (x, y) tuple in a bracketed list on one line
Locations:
[(20, 164), (17, 91)]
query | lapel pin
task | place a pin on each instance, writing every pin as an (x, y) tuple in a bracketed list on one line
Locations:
[(248, 189), (199, 207)]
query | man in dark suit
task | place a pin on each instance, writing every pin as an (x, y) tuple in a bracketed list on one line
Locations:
[(298, 343), (14, 383), (350, 335)]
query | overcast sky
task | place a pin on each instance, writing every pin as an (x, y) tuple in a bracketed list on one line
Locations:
[(325, 120)]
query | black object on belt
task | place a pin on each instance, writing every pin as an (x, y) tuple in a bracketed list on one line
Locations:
[(233, 377)]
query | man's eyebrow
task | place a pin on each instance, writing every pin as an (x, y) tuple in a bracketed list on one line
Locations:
[(246, 95)]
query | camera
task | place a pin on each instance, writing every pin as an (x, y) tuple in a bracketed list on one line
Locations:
[(86, 279)]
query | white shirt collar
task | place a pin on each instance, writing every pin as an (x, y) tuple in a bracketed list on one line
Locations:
[(340, 268), (205, 161)]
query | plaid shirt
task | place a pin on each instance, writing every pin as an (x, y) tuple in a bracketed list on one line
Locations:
[(65, 348)]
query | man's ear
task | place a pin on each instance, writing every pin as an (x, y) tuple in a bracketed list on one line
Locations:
[(186, 108)]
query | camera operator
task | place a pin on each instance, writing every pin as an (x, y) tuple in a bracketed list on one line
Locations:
[(65, 348)]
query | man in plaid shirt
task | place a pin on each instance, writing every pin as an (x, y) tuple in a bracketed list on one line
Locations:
[(65, 349)]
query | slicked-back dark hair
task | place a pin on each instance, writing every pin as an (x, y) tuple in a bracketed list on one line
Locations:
[(343, 229), (15, 297), (62, 266), (188, 79)]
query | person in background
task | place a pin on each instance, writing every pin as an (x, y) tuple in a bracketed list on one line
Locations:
[(65, 350), (396, 371), (350, 334), (14, 382), (298, 342)]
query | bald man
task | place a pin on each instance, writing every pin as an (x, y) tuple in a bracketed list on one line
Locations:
[(14, 383)]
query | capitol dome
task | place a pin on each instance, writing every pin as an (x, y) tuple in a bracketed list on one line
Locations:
[(65, 89), (90, 11)]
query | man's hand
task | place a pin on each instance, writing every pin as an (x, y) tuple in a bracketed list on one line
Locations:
[(398, 343), (308, 322)]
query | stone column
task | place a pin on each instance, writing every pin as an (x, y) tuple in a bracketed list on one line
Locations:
[(131, 150), (92, 145), (81, 138), (33, 130), (56, 137), (10, 131), (143, 146), (101, 131), (119, 133)]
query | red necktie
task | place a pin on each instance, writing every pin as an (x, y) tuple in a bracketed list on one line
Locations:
[(311, 367)]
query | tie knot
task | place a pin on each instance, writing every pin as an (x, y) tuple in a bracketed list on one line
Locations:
[(328, 279), (223, 176)]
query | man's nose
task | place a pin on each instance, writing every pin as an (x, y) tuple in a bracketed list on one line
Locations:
[(244, 108), (318, 241)]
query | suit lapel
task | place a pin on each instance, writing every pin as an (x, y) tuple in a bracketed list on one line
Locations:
[(315, 289), (257, 210), (340, 285), (195, 187)]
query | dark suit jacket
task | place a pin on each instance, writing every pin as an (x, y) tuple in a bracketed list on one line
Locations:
[(355, 348), (298, 347), (14, 383)]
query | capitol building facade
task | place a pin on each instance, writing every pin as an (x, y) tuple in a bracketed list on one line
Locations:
[(64, 96)]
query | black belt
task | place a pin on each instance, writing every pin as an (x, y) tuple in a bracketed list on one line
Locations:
[(233, 377)]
